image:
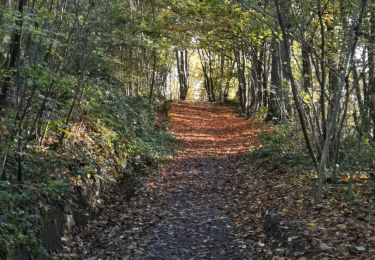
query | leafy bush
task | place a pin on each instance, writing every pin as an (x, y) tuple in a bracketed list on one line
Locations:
[(127, 125), (359, 155), (284, 147), (22, 212), (110, 136)]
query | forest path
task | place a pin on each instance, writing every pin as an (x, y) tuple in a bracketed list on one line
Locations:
[(186, 210)]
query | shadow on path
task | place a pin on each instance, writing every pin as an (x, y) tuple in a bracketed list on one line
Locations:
[(185, 210)]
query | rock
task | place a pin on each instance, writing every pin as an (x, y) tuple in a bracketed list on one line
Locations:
[(324, 248), (360, 248)]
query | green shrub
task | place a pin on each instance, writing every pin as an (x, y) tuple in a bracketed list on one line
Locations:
[(284, 147), (119, 136), (22, 208)]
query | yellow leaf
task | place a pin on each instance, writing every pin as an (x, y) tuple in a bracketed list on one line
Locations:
[(311, 225)]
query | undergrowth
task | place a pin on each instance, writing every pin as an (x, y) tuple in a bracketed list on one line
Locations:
[(351, 179), (23, 211), (111, 137), (284, 148)]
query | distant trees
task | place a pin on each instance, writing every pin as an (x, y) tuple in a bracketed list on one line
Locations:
[(310, 62)]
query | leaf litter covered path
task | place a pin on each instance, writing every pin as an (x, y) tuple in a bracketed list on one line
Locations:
[(185, 210)]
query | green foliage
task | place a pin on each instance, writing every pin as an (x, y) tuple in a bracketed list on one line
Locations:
[(284, 148), (74, 63), (129, 124), (261, 114), (119, 136), (358, 156), (22, 212)]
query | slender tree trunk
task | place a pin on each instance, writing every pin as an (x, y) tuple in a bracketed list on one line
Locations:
[(275, 95), (183, 74), (207, 80), (13, 55), (371, 72), (284, 72), (153, 76), (306, 67), (356, 86), (288, 70), (265, 72), (241, 80), (212, 86), (259, 71), (323, 73), (351, 44)]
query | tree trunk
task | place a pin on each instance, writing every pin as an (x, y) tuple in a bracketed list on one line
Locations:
[(241, 80), (153, 76), (183, 72), (13, 55), (323, 73), (371, 69), (274, 105), (351, 44), (288, 70)]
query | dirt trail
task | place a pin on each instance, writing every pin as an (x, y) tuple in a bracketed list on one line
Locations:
[(186, 210)]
